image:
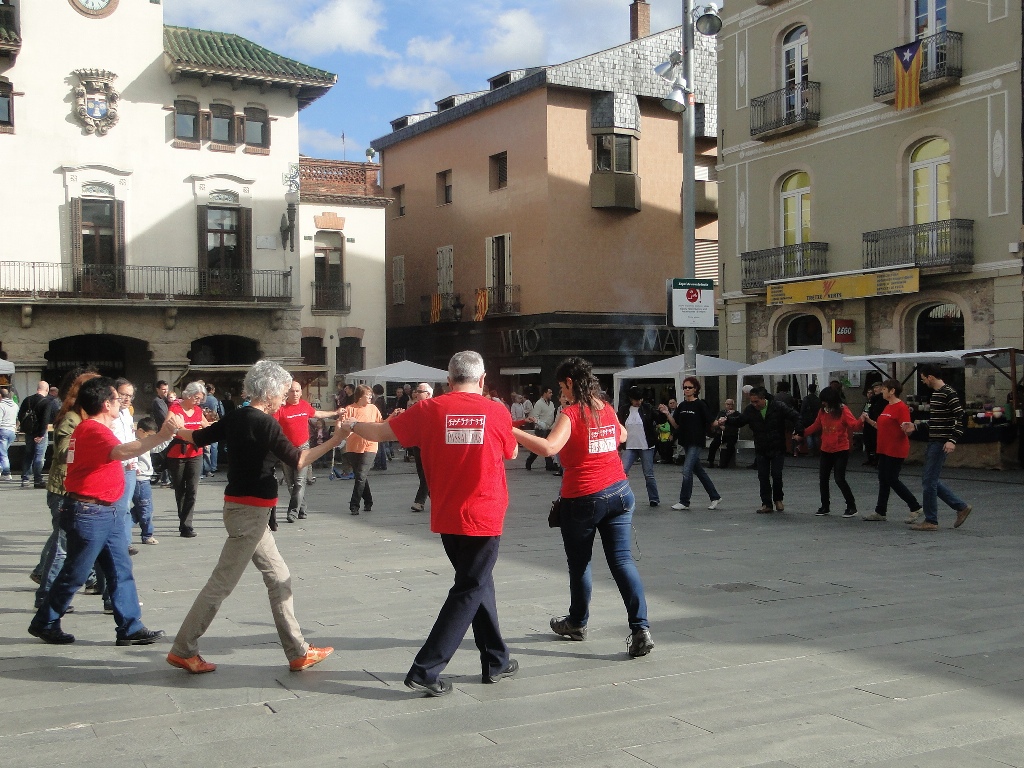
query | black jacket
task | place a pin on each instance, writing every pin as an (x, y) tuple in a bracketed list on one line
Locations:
[(649, 416), (769, 430)]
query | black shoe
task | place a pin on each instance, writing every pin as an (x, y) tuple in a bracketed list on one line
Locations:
[(302, 515), (142, 637), (368, 507), (353, 511), (189, 534), (561, 625), (108, 608), (438, 688), (40, 485), (558, 473), (509, 671), (639, 643), (92, 589), (133, 551), (290, 518), (850, 512), (36, 577), (822, 511), (54, 636), (655, 503)]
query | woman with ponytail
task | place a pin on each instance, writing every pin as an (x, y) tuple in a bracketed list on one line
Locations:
[(595, 498)]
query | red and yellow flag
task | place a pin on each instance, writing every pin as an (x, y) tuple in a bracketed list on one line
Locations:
[(907, 64), (481, 304)]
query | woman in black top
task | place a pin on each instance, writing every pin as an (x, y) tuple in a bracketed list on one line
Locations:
[(256, 443), (691, 421)]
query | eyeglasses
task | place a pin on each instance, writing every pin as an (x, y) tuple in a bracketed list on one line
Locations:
[(422, 391), (129, 398), (687, 386)]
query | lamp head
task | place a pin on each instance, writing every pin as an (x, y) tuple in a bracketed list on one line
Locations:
[(370, 153), (667, 69), (707, 20), (677, 98)]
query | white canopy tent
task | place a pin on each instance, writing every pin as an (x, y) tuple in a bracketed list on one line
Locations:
[(812, 362), (6, 367), (405, 371), (674, 368)]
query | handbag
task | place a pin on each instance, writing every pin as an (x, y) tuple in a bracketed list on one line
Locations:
[(555, 514)]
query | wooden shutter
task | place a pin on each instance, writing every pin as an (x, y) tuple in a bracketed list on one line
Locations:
[(239, 131), (119, 245), (205, 125), (204, 249), (446, 269), (489, 262), (707, 260), (508, 258), (245, 247), (75, 225)]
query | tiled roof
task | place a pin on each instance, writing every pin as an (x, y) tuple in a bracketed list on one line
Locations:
[(199, 52)]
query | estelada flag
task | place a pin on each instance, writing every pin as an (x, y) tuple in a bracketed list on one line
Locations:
[(481, 304), (907, 64)]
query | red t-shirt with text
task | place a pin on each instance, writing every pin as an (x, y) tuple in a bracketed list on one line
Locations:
[(294, 421), (892, 440), (180, 449), (90, 471), (590, 458), (463, 440)]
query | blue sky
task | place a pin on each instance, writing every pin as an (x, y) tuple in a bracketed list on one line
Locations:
[(396, 57)]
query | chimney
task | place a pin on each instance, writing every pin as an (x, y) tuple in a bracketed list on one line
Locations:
[(639, 19)]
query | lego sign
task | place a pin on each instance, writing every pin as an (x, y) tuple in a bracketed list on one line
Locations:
[(842, 331)]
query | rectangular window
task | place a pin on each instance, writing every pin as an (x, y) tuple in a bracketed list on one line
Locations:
[(499, 171), (444, 187), (257, 127), (499, 261), (222, 129), (398, 193), (6, 106), (222, 238), (398, 280), (99, 242), (614, 152), (186, 120)]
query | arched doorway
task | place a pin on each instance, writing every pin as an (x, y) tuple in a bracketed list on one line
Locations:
[(803, 332), (940, 327), (111, 355), (224, 350)]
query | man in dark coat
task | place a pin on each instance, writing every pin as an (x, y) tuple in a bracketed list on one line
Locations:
[(767, 419)]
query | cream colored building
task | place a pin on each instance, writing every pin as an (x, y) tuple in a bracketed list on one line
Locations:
[(541, 217), (835, 206), (147, 168)]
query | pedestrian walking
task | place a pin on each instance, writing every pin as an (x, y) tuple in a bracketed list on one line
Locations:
[(184, 460), (725, 437), (8, 423), (834, 422), (692, 421), (641, 422), (422, 392), (360, 452), (892, 449), (294, 417)]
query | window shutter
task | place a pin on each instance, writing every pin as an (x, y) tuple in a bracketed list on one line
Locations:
[(204, 248), (489, 262), (446, 269), (119, 237), (707, 260), (205, 125), (245, 237), (508, 258), (75, 222), (238, 136)]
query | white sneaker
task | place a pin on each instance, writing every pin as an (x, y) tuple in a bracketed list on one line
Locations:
[(679, 507), (714, 503)]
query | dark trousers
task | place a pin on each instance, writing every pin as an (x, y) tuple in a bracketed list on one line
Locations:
[(769, 476), (889, 479), (834, 463), (421, 493), (470, 602), (727, 442), (549, 463), (870, 441), (185, 476), (361, 463)]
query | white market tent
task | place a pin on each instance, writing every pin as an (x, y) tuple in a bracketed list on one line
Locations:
[(819, 362), (674, 368), (405, 371), (6, 367)]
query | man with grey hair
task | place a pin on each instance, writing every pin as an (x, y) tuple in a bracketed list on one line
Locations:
[(467, 430)]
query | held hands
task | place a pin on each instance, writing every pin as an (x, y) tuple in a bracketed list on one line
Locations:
[(948, 447), (908, 427), (663, 408), (172, 424)]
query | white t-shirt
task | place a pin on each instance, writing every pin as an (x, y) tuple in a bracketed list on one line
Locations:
[(636, 437)]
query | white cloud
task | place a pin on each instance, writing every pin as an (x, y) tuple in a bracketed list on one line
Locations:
[(351, 26), (516, 39), (417, 78), (318, 142)]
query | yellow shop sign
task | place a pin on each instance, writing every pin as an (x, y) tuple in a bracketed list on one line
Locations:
[(845, 287)]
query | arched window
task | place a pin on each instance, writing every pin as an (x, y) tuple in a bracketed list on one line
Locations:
[(795, 67), (940, 327), (795, 206), (929, 17), (803, 332), (930, 181)]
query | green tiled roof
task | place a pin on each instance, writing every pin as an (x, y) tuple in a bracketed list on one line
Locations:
[(9, 37), (231, 55)]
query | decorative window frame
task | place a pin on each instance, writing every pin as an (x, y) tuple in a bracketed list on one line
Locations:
[(205, 188), (178, 141)]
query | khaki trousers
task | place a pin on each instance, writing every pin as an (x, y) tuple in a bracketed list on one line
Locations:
[(249, 538)]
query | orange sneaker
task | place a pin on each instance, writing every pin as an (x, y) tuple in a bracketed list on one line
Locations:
[(197, 665), (313, 656)]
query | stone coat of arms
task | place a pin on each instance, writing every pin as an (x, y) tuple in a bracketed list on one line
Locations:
[(96, 100)]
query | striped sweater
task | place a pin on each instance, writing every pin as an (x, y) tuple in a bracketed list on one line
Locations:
[(946, 416)]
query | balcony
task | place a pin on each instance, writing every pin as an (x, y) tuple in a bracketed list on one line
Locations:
[(36, 280), (331, 297), (939, 246), (942, 65), (439, 308), (788, 110), (705, 197), (609, 189), (802, 260), (502, 300)]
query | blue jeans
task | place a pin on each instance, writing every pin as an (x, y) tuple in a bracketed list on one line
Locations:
[(95, 535), (691, 467), (34, 455), (934, 489), (6, 438), (609, 512), (210, 459), (646, 456), (124, 504), (142, 507), (54, 550)]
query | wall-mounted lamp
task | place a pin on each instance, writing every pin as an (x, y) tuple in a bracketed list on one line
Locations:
[(288, 221), (457, 307)]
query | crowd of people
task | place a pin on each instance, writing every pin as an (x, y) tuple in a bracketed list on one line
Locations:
[(105, 459)]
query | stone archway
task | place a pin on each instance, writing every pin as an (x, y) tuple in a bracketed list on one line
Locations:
[(224, 350), (110, 354)]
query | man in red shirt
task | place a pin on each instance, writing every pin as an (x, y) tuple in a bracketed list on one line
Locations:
[(463, 429), (294, 418), (94, 526)]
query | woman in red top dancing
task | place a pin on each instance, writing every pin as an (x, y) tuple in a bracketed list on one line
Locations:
[(184, 460), (892, 449), (835, 422), (595, 497)]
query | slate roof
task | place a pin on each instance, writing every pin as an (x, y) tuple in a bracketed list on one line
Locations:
[(202, 53)]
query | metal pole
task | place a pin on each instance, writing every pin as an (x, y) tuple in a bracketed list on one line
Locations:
[(689, 216)]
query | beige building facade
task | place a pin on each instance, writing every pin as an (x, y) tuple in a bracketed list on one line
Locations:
[(541, 218), (847, 223)]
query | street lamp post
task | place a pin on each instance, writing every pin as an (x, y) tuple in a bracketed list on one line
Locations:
[(678, 70)]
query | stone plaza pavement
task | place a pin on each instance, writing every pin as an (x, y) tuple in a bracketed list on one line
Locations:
[(781, 640)]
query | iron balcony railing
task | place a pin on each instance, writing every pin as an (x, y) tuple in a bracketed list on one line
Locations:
[(438, 307), (802, 260), (942, 58), (503, 300), (330, 296), (948, 244), (38, 279), (795, 105)]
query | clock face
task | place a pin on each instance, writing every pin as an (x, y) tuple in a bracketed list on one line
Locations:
[(94, 8)]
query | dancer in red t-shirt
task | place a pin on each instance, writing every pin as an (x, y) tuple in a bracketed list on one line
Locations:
[(892, 449), (467, 430), (294, 418), (595, 497)]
